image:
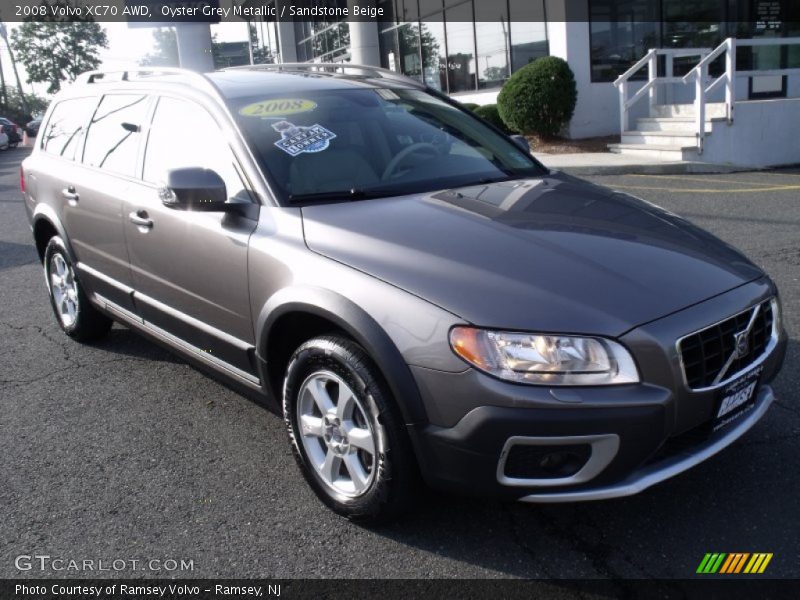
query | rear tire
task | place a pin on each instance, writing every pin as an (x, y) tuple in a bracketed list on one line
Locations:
[(75, 314), (346, 431)]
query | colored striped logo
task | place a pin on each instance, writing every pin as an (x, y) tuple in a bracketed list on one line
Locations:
[(735, 562)]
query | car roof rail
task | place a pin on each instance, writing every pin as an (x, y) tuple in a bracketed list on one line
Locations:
[(332, 69), (133, 73)]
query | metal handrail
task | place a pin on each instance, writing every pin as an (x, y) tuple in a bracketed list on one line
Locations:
[(700, 75), (672, 52), (653, 80), (368, 70), (635, 68), (713, 55)]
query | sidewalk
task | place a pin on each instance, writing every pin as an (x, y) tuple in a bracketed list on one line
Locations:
[(608, 163)]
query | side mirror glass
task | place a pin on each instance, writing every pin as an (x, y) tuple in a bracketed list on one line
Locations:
[(195, 188), (522, 142)]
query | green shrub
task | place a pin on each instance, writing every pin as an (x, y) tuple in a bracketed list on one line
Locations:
[(539, 98), (489, 112), (470, 105)]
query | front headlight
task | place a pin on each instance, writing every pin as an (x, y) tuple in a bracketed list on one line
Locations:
[(545, 359)]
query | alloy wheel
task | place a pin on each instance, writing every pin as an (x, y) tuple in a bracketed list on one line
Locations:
[(64, 289), (336, 434)]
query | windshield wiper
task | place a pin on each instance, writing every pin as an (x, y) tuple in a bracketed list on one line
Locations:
[(335, 195)]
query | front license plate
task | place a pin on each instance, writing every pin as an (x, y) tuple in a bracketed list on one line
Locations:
[(737, 398)]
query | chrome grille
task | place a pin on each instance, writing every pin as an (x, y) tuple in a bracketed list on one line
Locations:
[(717, 352)]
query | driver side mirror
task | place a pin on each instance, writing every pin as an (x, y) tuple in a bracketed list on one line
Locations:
[(522, 142), (195, 188)]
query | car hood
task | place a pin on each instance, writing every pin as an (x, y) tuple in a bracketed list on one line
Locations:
[(555, 254)]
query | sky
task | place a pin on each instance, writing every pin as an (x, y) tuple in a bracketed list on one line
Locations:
[(126, 46)]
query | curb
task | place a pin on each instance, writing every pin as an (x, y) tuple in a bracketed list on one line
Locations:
[(654, 169)]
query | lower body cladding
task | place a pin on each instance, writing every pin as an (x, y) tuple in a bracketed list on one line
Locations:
[(540, 444)]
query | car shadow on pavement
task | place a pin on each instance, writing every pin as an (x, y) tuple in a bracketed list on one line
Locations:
[(121, 340), (719, 505)]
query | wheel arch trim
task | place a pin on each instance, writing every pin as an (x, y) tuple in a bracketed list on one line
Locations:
[(44, 213), (359, 325)]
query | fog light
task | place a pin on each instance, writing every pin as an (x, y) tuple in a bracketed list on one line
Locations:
[(546, 462)]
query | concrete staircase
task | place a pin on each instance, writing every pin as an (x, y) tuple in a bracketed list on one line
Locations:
[(669, 135)]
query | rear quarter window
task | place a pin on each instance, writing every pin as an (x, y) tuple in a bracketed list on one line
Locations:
[(66, 127)]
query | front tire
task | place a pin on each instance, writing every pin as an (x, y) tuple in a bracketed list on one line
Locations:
[(75, 314), (346, 432)]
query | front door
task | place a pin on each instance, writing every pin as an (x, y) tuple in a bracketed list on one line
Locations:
[(190, 268)]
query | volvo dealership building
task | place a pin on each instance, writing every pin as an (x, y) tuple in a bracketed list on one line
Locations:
[(469, 48)]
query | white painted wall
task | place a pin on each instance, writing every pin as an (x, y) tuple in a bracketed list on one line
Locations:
[(764, 134)]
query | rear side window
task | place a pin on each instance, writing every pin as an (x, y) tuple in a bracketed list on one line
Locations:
[(114, 133), (65, 129)]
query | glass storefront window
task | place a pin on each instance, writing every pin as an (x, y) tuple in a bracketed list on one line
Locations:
[(400, 50), (434, 59), (693, 23), (528, 42), (528, 31), (324, 41), (265, 48), (472, 44), (492, 37), (460, 48), (429, 7), (622, 31)]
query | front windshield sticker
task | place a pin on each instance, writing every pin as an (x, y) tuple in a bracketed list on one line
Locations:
[(280, 107), (296, 139)]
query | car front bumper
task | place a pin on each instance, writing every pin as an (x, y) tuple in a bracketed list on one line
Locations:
[(639, 434), (660, 470)]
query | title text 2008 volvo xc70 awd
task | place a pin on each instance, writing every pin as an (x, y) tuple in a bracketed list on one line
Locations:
[(419, 296)]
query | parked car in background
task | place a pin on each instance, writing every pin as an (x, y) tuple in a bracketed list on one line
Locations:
[(3, 141), (12, 130), (32, 128)]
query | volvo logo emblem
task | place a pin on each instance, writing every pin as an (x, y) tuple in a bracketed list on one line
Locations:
[(742, 342), (741, 346)]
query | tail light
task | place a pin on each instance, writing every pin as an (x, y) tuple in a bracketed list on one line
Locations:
[(22, 179)]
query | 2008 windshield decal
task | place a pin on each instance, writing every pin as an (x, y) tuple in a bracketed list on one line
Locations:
[(280, 107)]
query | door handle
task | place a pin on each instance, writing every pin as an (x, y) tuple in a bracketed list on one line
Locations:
[(70, 195), (140, 219)]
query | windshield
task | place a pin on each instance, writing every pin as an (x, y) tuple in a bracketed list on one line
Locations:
[(365, 143)]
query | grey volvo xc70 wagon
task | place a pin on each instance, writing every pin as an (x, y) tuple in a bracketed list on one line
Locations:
[(419, 297)]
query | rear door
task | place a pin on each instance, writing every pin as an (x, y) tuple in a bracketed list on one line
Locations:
[(88, 200), (190, 268)]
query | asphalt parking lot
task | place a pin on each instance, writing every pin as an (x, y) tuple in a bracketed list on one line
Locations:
[(120, 450)]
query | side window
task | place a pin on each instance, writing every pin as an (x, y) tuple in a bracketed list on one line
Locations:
[(112, 142), (183, 134), (66, 127)]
